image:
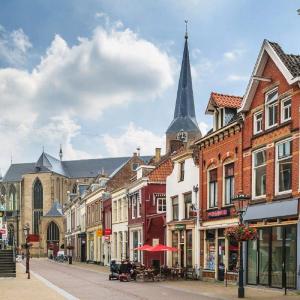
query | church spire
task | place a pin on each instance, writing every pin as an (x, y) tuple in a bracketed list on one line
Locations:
[(184, 115)]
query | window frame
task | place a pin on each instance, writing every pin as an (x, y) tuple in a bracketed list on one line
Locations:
[(224, 182), (181, 171), (208, 188), (253, 174), (255, 122), (268, 104), (177, 205), (187, 204), (277, 192), (161, 204), (282, 119)]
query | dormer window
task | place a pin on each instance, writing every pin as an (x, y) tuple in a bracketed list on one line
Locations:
[(271, 108)]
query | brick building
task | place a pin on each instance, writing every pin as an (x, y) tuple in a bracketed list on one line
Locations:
[(270, 174), (220, 165)]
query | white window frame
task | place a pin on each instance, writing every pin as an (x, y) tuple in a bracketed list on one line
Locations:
[(159, 203), (138, 202), (224, 183), (133, 204), (208, 187), (255, 120), (283, 107), (277, 192), (269, 104), (253, 174)]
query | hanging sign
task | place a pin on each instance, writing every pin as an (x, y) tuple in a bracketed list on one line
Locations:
[(180, 226), (99, 233), (107, 231)]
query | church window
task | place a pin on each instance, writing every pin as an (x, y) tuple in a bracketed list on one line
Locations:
[(37, 205)]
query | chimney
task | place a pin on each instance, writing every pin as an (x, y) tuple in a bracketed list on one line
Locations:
[(134, 154), (60, 152), (157, 154), (138, 149)]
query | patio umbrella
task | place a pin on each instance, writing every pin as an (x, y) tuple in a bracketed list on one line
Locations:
[(144, 247)]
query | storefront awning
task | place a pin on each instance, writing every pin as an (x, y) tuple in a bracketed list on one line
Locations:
[(276, 209)]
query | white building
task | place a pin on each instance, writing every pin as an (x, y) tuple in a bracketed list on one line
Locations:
[(182, 205), (119, 243)]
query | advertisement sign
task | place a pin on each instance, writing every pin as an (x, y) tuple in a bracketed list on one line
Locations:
[(218, 213), (99, 233), (107, 231)]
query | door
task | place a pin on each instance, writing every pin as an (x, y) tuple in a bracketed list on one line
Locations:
[(276, 256), (83, 250), (264, 255), (221, 257)]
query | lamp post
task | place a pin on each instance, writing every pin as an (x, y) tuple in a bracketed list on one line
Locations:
[(27, 245), (196, 207), (240, 202)]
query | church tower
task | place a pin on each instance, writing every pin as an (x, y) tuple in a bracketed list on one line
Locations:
[(184, 126)]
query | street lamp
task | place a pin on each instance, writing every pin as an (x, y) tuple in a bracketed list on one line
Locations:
[(27, 245), (240, 202), (196, 207)]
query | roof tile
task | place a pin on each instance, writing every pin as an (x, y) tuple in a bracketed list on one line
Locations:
[(229, 101), (162, 171)]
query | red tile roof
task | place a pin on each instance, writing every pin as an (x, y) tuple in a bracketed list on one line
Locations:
[(222, 100), (160, 173)]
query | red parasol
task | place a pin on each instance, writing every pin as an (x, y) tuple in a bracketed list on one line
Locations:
[(144, 247), (160, 247)]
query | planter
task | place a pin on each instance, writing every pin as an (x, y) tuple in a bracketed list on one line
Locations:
[(241, 233)]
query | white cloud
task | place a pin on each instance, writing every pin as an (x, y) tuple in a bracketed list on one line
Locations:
[(114, 67), (234, 77), (203, 128), (131, 138), (13, 46), (233, 55)]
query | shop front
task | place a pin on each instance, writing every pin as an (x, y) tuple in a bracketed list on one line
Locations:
[(182, 238), (220, 255), (272, 258)]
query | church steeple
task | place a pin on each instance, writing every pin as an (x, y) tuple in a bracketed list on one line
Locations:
[(184, 116)]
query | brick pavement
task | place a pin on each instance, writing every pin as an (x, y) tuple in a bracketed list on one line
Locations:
[(26, 289), (210, 289)]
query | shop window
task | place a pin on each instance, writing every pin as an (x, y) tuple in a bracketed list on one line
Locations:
[(259, 173), (283, 181), (210, 248), (181, 171), (189, 248), (271, 108), (161, 205), (175, 245), (188, 205), (175, 208), (286, 110), (213, 189), (258, 122), (229, 183), (233, 250)]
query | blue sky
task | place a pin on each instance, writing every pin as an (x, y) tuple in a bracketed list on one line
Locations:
[(100, 77)]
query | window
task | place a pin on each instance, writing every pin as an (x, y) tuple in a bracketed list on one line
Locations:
[(259, 173), (134, 166), (229, 183), (257, 126), (211, 249), (114, 211), (175, 208), (161, 205), (134, 206), (213, 189), (283, 181), (188, 205), (271, 108), (12, 198), (181, 171), (37, 205), (286, 109)]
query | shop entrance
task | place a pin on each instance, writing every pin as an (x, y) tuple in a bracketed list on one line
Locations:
[(221, 259), (272, 258)]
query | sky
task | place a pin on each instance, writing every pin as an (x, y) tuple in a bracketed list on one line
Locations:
[(100, 77)]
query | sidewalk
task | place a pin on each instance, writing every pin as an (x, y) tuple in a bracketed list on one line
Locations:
[(210, 289), (26, 289)]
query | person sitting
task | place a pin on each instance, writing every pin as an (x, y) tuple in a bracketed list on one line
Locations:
[(114, 269), (124, 275)]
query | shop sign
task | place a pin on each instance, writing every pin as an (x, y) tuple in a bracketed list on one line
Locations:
[(218, 213), (99, 233), (107, 238), (33, 238), (107, 231), (180, 226)]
